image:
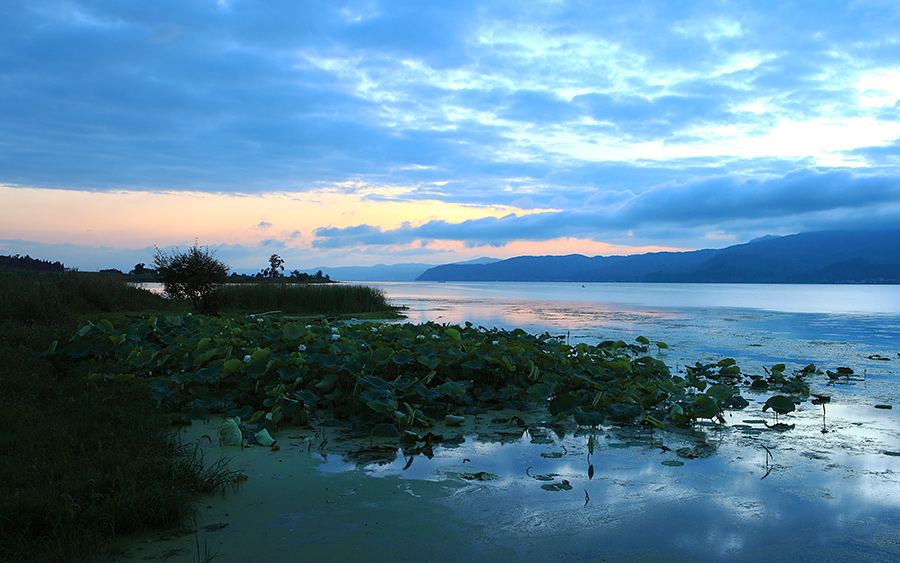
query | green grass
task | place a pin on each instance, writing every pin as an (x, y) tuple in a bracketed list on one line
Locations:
[(37, 296), (81, 463), (304, 299)]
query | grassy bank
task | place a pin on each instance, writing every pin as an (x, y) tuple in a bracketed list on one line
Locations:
[(80, 463)]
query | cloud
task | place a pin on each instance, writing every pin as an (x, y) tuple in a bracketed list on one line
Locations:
[(649, 116), (815, 199)]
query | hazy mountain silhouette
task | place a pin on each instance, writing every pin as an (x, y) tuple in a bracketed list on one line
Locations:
[(816, 257)]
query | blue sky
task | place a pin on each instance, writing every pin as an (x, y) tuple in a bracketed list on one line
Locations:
[(352, 133)]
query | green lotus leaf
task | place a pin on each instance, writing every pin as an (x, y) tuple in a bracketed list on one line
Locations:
[(561, 403), (780, 404), (385, 430), (383, 405), (452, 389), (720, 392), (539, 392), (589, 418), (704, 406), (403, 357), (294, 331)]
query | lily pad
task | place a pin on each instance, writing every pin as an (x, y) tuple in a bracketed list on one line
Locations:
[(556, 487), (480, 476)]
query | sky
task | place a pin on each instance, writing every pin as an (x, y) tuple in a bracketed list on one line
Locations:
[(366, 132)]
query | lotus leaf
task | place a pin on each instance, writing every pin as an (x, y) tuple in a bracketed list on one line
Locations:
[(780, 404)]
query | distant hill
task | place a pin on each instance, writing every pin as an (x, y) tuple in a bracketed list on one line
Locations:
[(381, 272), (816, 257)]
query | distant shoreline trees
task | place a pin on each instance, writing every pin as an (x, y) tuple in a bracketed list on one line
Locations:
[(17, 262)]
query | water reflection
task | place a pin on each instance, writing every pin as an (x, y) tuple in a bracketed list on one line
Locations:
[(825, 493), (753, 493)]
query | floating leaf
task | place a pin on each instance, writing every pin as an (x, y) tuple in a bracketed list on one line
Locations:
[(672, 463), (383, 405), (480, 476), (561, 486), (704, 406), (230, 366)]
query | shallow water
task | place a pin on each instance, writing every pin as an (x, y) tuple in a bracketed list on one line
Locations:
[(827, 488), (833, 492)]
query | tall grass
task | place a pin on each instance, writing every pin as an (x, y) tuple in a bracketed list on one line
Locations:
[(304, 298), (80, 463), (41, 296)]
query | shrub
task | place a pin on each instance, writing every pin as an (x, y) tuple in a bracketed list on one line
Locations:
[(194, 274)]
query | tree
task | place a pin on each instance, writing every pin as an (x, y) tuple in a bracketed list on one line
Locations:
[(276, 265), (194, 274)]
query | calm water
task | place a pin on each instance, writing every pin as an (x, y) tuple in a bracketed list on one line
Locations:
[(752, 493), (832, 495), (758, 324)]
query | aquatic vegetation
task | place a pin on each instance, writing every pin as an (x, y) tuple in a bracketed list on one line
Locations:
[(402, 375), (779, 404)]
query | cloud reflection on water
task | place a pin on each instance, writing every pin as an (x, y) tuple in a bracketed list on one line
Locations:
[(831, 494)]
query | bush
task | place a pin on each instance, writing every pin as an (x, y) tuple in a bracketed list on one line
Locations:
[(194, 274)]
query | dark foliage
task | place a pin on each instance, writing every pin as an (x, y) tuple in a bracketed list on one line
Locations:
[(26, 262), (194, 274)]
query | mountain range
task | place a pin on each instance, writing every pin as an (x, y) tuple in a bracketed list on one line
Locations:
[(407, 271), (813, 257)]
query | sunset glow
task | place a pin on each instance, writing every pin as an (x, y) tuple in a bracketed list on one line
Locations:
[(349, 133)]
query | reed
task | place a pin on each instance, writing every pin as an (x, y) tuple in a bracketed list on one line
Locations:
[(46, 296), (304, 299), (81, 463)]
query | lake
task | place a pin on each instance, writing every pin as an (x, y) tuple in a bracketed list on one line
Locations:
[(757, 324), (751, 493), (825, 485)]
